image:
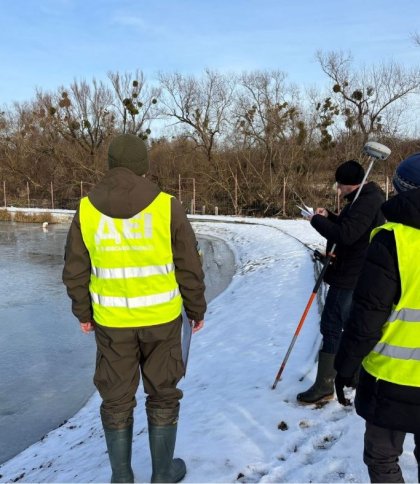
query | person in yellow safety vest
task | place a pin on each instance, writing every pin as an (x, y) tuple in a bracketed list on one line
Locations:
[(131, 263), (383, 332)]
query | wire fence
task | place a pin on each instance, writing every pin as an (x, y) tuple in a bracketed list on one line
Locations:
[(50, 196), (189, 191), (192, 193)]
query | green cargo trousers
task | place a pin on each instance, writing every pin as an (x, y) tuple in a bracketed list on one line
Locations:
[(125, 353)]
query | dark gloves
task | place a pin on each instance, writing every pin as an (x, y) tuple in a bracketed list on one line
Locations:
[(319, 256), (340, 382), (323, 258)]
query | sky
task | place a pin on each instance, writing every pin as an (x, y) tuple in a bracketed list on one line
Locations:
[(48, 43), (233, 427)]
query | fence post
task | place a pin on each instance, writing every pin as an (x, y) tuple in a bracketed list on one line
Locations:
[(203, 210), (284, 197), (27, 192), (4, 194), (236, 194), (338, 200), (387, 188), (81, 189), (179, 188), (193, 198), (216, 210), (52, 195)]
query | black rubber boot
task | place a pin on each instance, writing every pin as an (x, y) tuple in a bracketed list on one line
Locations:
[(118, 442), (162, 445), (323, 388)]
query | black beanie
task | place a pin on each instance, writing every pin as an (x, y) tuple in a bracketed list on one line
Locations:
[(350, 173), (128, 151)]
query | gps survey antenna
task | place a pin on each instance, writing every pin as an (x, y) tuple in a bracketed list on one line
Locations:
[(376, 150)]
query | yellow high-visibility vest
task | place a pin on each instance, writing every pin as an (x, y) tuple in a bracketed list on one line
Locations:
[(132, 282), (396, 357)]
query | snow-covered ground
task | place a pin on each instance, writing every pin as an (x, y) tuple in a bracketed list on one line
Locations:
[(233, 427)]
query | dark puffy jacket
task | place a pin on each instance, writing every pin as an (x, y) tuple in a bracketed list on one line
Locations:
[(350, 230), (379, 287)]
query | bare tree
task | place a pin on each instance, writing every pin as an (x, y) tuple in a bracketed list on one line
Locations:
[(15, 143), (270, 132), (28, 153), (201, 106), (136, 102), (82, 115), (268, 115), (371, 100)]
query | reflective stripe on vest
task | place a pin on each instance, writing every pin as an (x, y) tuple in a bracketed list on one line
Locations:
[(405, 314), (396, 357), (134, 302), (398, 352), (124, 272), (132, 281)]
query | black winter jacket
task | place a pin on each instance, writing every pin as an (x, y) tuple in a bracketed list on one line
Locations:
[(380, 402), (350, 230)]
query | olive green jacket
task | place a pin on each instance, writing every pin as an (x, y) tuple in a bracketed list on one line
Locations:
[(122, 194)]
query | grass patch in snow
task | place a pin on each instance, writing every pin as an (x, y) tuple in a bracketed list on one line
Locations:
[(5, 216), (33, 217)]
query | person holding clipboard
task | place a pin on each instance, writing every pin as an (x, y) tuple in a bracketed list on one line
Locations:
[(349, 230)]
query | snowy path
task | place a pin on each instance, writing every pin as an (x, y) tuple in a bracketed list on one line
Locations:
[(233, 427)]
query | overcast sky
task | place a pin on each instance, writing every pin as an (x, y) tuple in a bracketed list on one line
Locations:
[(48, 43)]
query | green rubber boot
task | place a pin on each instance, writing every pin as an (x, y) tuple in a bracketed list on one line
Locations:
[(323, 388), (162, 445), (118, 442)]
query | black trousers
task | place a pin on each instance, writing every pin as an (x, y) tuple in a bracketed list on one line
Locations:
[(383, 448)]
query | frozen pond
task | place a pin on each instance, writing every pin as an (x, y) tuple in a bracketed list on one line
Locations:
[(46, 363)]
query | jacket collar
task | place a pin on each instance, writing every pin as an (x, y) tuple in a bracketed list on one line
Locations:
[(404, 208)]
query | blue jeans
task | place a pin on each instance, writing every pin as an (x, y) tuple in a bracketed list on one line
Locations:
[(334, 316)]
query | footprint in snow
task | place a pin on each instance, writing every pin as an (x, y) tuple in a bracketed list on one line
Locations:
[(253, 473), (326, 441)]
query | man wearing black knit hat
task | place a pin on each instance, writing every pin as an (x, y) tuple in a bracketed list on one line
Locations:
[(131, 263), (383, 332), (350, 231)]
